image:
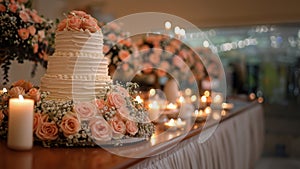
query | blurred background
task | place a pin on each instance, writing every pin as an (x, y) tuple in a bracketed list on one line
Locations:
[(257, 41)]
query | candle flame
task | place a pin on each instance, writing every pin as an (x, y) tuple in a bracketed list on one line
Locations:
[(21, 98), (139, 99), (4, 90)]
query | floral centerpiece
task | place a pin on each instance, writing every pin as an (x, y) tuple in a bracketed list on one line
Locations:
[(117, 45), (114, 116), (25, 35)]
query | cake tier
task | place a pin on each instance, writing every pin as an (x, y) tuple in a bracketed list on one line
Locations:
[(76, 87), (79, 41), (70, 63)]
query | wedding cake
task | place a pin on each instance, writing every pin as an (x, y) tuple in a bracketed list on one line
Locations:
[(78, 69)]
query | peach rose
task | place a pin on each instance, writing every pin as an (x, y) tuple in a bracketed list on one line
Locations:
[(118, 127), (2, 8), (77, 13), (47, 131), (90, 24), (37, 121), (85, 110), (35, 17), (24, 84), (35, 48), (123, 55), (16, 91), (13, 7), (126, 42), (116, 99), (147, 68), (105, 49), (74, 23), (112, 37), (62, 25), (155, 59), (131, 127), (31, 30), (100, 129), (23, 33), (34, 94), (100, 103), (24, 16), (70, 125)]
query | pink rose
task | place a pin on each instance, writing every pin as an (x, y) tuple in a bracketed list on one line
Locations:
[(70, 125), (90, 24), (16, 91), (74, 23), (23, 33), (35, 17), (1, 116), (116, 99), (118, 127), (2, 8), (123, 113), (123, 55), (37, 121), (131, 127), (34, 94), (24, 16), (31, 30), (85, 110), (47, 131), (100, 129), (62, 25), (13, 7)]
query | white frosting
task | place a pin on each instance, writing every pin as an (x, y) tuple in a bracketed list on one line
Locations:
[(79, 41), (78, 69)]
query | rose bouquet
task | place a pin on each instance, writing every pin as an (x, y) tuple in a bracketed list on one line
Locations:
[(25, 35), (115, 116)]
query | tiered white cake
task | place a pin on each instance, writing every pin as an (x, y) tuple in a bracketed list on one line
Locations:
[(78, 69)]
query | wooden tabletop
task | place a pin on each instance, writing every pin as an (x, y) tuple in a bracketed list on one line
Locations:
[(104, 157)]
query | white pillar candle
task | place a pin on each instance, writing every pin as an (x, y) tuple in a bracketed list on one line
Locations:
[(20, 123)]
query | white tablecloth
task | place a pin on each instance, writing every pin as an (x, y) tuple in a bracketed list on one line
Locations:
[(236, 144)]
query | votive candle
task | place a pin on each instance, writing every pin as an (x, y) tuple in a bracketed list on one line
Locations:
[(20, 123)]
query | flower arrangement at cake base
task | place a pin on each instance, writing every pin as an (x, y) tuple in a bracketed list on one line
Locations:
[(110, 118)]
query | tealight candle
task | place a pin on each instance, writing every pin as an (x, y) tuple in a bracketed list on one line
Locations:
[(203, 101), (154, 110), (20, 123), (139, 99), (171, 106)]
